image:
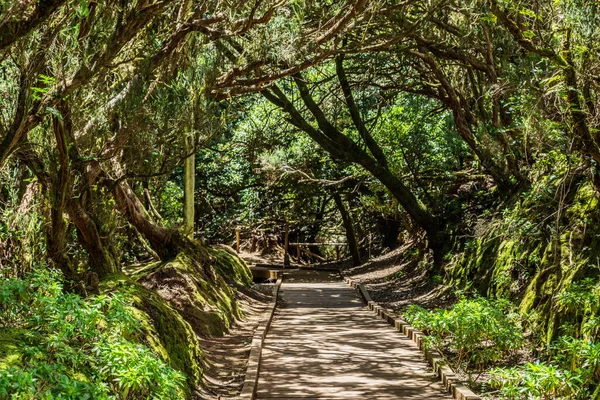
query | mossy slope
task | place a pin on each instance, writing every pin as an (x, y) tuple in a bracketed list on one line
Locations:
[(183, 299), (534, 249)]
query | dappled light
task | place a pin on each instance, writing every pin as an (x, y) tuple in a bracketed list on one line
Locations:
[(325, 344), (164, 162)]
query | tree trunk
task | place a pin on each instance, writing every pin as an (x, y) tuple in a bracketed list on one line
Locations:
[(167, 243), (102, 261), (344, 148), (69, 199), (133, 210), (189, 175), (349, 227), (389, 229), (407, 200)]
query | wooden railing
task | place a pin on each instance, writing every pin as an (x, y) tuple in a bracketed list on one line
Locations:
[(302, 247)]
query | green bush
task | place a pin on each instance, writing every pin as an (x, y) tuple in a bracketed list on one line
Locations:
[(582, 300), (536, 381), (477, 331), (76, 348), (573, 372)]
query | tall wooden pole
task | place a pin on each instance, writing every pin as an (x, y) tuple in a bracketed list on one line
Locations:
[(286, 257), (237, 239), (189, 173)]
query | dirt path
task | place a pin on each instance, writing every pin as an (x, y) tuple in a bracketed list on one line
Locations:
[(324, 344), (226, 358)]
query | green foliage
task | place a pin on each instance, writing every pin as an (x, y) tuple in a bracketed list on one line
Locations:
[(165, 331), (78, 348), (170, 203), (478, 331), (427, 140), (582, 300), (573, 372)]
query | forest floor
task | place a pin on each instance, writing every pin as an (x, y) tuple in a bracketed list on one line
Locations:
[(259, 258), (226, 357), (395, 280)]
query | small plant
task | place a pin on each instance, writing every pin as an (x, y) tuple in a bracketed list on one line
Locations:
[(582, 299), (78, 348), (537, 381), (398, 275), (573, 372), (477, 331)]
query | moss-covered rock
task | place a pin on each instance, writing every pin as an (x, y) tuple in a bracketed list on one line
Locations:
[(206, 301), (535, 249), (231, 266), (164, 329), (10, 355), (183, 299)]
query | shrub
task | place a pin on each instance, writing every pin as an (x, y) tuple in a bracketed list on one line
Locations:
[(78, 348), (572, 373), (478, 331), (581, 299)]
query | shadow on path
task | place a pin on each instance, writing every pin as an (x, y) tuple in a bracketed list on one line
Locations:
[(324, 344)]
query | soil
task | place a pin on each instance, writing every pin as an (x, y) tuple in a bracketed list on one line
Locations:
[(258, 258), (397, 279), (226, 357)]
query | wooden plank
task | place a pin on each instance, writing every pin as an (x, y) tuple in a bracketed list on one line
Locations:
[(318, 244), (323, 344)]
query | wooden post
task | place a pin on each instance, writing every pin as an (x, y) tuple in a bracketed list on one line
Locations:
[(286, 256), (189, 176), (237, 239), (369, 246), (298, 253)]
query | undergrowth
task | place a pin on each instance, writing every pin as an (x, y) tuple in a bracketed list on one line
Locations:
[(572, 372), (73, 348), (477, 335), (570, 366), (477, 332)]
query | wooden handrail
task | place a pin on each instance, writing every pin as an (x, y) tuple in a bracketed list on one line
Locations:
[(318, 244)]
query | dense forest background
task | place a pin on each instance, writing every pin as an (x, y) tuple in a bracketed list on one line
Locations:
[(136, 135)]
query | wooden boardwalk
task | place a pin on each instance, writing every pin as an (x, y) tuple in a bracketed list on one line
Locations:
[(324, 344)]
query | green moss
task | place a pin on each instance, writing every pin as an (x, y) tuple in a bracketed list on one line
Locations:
[(586, 201), (519, 256), (137, 271), (231, 266), (502, 282), (164, 329), (213, 304), (9, 350), (528, 300), (199, 299), (175, 335)]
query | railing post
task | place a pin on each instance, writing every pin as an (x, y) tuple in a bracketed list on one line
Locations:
[(237, 239), (286, 257)]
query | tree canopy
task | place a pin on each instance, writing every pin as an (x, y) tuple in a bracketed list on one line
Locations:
[(455, 125)]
